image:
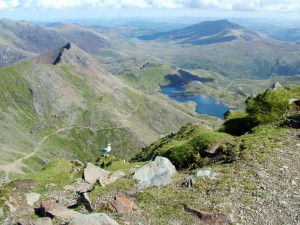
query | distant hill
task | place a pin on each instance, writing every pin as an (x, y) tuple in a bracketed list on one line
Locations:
[(226, 48), (21, 39), (205, 33)]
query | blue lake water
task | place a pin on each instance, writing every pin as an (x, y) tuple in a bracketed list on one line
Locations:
[(204, 105)]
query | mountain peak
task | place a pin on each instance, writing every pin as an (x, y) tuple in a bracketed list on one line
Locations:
[(69, 54), (205, 33), (59, 56)]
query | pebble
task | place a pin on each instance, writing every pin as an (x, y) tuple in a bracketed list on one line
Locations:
[(293, 183)]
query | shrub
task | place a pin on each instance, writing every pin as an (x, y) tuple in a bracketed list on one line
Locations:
[(268, 107)]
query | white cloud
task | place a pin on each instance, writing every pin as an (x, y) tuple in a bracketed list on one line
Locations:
[(9, 4), (251, 5)]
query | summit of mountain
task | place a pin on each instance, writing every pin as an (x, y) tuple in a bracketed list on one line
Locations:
[(205, 33), (69, 54)]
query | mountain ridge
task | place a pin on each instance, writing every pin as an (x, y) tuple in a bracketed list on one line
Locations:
[(205, 33), (26, 39)]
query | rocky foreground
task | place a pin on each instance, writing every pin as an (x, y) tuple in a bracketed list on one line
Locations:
[(260, 190)]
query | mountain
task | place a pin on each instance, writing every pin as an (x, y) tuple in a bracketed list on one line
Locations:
[(21, 39), (226, 48), (63, 104), (205, 33)]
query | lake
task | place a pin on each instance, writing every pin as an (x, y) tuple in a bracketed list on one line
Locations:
[(204, 105)]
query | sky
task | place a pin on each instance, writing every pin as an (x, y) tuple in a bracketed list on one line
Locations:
[(60, 9)]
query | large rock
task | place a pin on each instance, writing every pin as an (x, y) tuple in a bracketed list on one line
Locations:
[(37, 221), (93, 173), (93, 219), (53, 209), (32, 198), (121, 205), (156, 173)]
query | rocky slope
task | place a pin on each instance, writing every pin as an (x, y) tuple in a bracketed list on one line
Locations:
[(260, 188), (256, 182)]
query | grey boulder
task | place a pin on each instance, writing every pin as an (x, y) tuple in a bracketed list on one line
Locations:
[(156, 173)]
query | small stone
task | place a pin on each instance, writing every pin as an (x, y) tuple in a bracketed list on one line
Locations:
[(262, 174), (32, 198), (84, 187), (298, 145), (210, 218), (121, 205), (50, 185), (93, 219), (93, 173), (189, 182), (282, 203), (206, 173), (53, 209), (293, 183), (263, 187)]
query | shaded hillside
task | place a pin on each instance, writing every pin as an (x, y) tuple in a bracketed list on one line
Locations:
[(72, 109), (19, 39), (205, 33)]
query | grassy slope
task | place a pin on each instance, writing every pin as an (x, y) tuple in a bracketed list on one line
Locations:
[(58, 111)]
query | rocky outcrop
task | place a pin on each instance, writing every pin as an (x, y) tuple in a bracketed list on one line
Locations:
[(156, 173), (121, 205), (210, 218), (58, 211), (93, 219), (93, 173)]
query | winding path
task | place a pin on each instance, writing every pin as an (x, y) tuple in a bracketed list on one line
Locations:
[(16, 166)]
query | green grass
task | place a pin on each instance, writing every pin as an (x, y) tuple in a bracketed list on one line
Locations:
[(149, 77)]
